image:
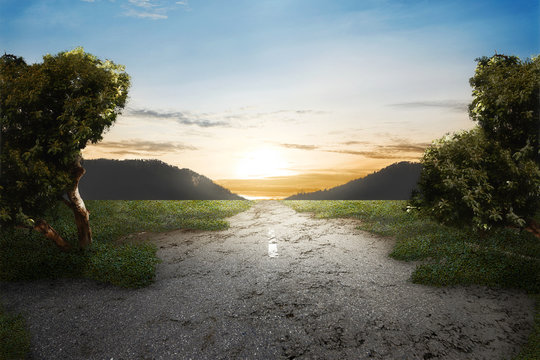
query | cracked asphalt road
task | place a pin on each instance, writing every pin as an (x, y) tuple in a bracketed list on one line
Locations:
[(276, 285)]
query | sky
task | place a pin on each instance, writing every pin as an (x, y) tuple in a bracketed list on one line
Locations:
[(269, 98)]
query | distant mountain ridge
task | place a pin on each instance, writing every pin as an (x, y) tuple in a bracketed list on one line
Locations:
[(107, 179), (394, 182)]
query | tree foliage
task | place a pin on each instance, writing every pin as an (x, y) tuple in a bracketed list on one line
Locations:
[(506, 101), (49, 112), (469, 179), (489, 176)]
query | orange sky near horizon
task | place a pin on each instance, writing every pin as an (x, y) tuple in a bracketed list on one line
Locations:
[(262, 174), (283, 186)]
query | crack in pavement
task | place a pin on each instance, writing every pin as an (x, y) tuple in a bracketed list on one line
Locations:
[(332, 293)]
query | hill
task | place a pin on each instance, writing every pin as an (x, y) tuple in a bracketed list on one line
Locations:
[(107, 179), (394, 182)]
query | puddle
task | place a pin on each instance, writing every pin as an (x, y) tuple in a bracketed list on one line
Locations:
[(272, 244)]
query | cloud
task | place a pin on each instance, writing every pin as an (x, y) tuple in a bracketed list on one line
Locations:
[(393, 151), (402, 149), (183, 118), (419, 148), (141, 147), (145, 14), (152, 9), (377, 154), (454, 105), (240, 118), (355, 142), (300, 146), (88, 1), (298, 112), (142, 3)]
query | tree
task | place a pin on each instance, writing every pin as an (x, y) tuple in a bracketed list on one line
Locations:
[(506, 101), (489, 176), (49, 112)]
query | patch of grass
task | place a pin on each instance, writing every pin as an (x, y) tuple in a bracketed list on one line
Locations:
[(160, 215), (501, 258), (531, 351), (128, 265), (14, 337), (26, 255)]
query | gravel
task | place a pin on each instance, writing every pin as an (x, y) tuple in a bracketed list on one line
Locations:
[(276, 285)]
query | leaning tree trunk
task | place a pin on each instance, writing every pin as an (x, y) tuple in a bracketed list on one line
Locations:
[(43, 227), (76, 203)]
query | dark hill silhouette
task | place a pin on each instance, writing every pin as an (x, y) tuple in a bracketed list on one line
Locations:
[(107, 179), (394, 182)]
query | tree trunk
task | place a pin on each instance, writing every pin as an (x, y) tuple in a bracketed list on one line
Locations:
[(43, 227), (533, 228), (76, 203)]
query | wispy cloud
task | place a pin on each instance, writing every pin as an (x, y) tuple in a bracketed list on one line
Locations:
[(239, 118), (183, 118), (454, 105), (300, 146), (297, 112), (145, 14), (143, 3), (402, 149), (376, 154), (142, 147), (355, 142), (407, 147), (152, 9)]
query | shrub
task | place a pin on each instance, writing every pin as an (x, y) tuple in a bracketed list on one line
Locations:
[(469, 179)]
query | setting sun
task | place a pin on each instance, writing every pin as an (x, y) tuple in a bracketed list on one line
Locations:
[(261, 163)]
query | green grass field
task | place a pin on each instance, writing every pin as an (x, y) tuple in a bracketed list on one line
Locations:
[(449, 256)]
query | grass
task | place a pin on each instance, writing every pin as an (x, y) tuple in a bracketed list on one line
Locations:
[(502, 258), (531, 351), (14, 338), (26, 255)]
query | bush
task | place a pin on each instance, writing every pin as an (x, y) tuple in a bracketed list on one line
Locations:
[(469, 179)]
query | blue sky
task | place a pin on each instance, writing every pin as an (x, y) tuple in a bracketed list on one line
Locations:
[(320, 90)]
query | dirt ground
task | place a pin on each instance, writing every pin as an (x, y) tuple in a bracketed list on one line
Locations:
[(276, 285)]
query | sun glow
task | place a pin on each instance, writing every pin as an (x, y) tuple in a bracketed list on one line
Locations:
[(262, 163)]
